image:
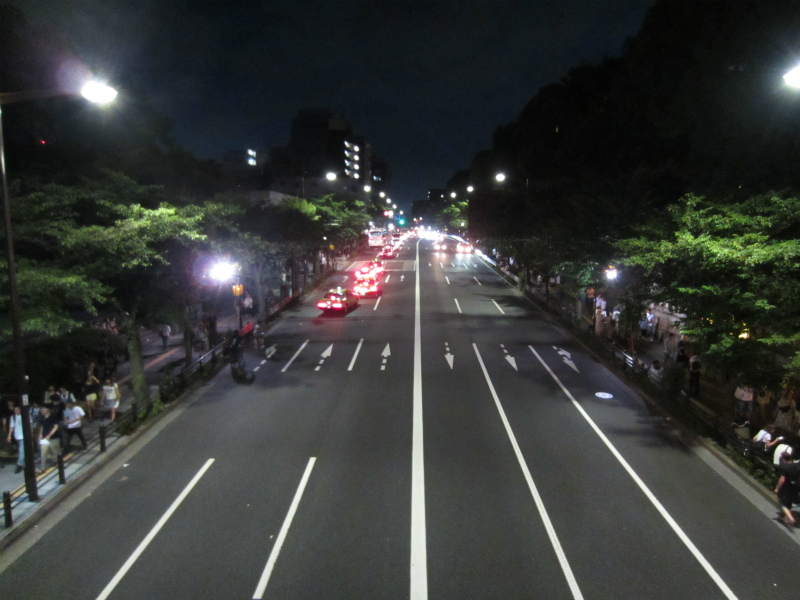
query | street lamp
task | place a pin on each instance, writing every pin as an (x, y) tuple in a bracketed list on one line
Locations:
[(94, 92), (330, 176), (367, 188), (382, 194), (470, 188), (792, 78), (500, 177), (452, 194)]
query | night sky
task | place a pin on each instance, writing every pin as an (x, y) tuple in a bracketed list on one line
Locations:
[(426, 82)]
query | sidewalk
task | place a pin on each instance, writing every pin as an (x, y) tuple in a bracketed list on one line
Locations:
[(155, 358), (79, 461)]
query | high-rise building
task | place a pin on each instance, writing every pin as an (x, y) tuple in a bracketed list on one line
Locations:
[(322, 156)]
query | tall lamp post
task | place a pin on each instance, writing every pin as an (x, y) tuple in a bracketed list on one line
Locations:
[(94, 92)]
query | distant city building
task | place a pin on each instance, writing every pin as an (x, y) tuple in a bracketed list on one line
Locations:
[(322, 156), (436, 195)]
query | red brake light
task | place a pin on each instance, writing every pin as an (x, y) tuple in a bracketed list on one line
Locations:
[(337, 305), (322, 304)]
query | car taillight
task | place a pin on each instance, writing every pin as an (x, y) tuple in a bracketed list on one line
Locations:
[(337, 305), (322, 305)]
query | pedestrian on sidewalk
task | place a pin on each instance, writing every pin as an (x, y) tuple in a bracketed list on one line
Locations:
[(92, 387), (15, 432), (165, 332), (73, 423), (694, 376), (49, 441), (111, 397), (744, 407), (784, 412), (787, 487)]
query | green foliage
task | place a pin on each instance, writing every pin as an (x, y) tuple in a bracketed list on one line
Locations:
[(734, 270)]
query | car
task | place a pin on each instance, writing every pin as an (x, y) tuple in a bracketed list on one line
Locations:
[(387, 252), (440, 246), (464, 247), (371, 269), (338, 300), (367, 286)]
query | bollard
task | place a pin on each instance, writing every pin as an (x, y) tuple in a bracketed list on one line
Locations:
[(102, 434), (7, 509), (62, 477), (134, 412)]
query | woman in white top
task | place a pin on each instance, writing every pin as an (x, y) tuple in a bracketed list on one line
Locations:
[(111, 396)]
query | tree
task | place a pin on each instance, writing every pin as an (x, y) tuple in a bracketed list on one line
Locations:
[(734, 270)]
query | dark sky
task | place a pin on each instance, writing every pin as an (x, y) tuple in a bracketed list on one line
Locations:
[(427, 82)]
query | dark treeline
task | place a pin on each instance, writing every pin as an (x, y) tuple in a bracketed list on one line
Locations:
[(618, 161)]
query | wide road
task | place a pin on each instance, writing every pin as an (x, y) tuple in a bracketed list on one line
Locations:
[(442, 441)]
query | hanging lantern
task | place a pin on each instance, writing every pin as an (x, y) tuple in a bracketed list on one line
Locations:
[(238, 289)]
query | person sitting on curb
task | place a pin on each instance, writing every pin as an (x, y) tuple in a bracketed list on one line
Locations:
[(787, 487), (765, 440)]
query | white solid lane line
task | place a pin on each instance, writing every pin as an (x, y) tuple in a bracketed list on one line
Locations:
[(153, 532), (447, 279), (296, 354), (355, 356), (476, 281), (376, 304), (548, 525), (642, 486), (276, 549), (458, 306), (419, 552), (498, 307)]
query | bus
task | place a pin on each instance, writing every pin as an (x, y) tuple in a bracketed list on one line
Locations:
[(376, 237)]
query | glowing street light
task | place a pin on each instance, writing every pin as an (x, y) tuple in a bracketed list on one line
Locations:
[(452, 194), (367, 188), (382, 194), (223, 271), (98, 92), (792, 78), (330, 176), (470, 188), (500, 177), (612, 273)]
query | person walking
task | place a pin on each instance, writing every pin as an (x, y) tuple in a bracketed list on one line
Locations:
[(73, 423), (165, 332), (92, 387), (111, 397), (49, 441), (15, 432), (787, 487)]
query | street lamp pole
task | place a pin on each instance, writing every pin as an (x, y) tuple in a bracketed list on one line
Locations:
[(95, 92), (16, 326)]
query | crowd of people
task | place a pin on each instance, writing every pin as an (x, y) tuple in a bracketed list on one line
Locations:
[(58, 416)]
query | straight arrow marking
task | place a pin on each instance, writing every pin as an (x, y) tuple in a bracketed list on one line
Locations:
[(269, 352), (386, 351), (512, 361), (402, 277), (328, 351)]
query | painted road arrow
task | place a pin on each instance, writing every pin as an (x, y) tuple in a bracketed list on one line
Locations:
[(402, 277), (269, 352), (448, 357), (324, 355), (511, 360), (567, 358), (385, 354)]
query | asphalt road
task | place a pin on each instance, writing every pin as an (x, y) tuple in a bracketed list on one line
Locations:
[(444, 441)]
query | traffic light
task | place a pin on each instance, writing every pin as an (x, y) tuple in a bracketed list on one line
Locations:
[(401, 221)]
